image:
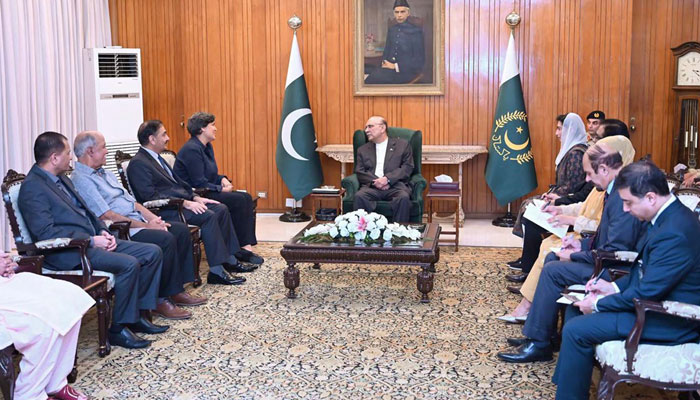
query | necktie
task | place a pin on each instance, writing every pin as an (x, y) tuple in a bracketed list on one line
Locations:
[(165, 166)]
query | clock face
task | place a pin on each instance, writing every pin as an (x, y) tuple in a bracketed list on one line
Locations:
[(689, 69)]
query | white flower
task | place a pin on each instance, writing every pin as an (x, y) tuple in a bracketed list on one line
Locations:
[(352, 226), (414, 234), (344, 232), (387, 235), (342, 224), (374, 234), (333, 232), (360, 235), (371, 226), (381, 222), (361, 212)]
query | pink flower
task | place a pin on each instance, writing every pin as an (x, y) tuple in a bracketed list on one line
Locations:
[(361, 224)]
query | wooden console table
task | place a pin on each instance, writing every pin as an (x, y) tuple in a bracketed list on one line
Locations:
[(432, 154)]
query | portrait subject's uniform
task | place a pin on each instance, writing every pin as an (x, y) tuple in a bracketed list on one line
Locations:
[(405, 47)]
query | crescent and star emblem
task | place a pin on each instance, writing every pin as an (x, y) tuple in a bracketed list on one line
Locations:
[(287, 126), (516, 147)]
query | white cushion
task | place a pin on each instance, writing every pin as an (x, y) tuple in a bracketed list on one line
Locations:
[(23, 230), (79, 272), (169, 158), (125, 166), (677, 364)]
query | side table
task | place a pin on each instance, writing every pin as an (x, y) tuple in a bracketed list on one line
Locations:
[(451, 195), (319, 197)]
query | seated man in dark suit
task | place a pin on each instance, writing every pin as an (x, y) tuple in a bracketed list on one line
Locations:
[(151, 178), (383, 167), (107, 199), (617, 231), (668, 268), (52, 208)]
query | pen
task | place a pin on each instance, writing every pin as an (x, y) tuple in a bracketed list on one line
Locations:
[(597, 277)]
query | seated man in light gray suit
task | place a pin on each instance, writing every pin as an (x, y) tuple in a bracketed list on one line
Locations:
[(52, 208), (383, 167)]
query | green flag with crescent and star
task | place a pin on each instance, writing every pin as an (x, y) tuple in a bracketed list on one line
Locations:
[(510, 169), (297, 160)]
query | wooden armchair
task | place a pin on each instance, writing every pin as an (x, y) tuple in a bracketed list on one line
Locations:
[(98, 284), (122, 159), (664, 367), (690, 197)]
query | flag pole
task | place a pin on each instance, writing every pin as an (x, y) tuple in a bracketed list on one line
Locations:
[(295, 215), (508, 220)]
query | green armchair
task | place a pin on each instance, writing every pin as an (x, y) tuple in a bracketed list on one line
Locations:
[(417, 182)]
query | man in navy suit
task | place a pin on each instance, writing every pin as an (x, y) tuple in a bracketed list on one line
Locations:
[(151, 178), (384, 166), (668, 268), (52, 208), (617, 231)]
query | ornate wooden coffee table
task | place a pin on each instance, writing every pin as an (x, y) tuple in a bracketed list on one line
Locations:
[(424, 253)]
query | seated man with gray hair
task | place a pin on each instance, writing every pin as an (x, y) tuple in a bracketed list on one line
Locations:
[(108, 200)]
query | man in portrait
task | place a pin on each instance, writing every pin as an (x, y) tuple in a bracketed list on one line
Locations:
[(404, 53)]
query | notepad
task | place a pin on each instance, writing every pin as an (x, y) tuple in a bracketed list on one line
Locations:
[(534, 213), (565, 300)]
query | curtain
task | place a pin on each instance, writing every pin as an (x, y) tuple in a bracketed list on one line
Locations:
[(41, 75)]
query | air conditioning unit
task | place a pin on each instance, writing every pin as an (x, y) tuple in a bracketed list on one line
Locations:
[(113, 94)]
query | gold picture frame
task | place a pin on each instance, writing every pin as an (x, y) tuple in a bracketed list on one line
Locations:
[(374, 23)]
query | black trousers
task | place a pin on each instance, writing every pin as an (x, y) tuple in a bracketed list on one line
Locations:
[(178, 262), (218, 235), (240, 206), (532, 240), (399, 195), (137, 270)]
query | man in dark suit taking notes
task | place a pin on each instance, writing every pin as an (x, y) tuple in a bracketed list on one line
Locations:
[(668, 268)]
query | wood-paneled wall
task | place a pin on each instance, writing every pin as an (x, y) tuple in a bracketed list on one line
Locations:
[(229, 57)]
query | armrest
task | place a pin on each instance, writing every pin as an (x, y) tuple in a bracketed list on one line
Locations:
[(31, 264), (587, 234), (121, 228), (167, 204), (58, 244), (200, 191), (419, 184), (675, 308), (619, 258), (351, 185)]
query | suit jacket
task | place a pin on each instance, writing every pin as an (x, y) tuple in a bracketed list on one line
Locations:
[(398, 162), (150, 181), (668, 269), (49, 214), (617, 230), (196, 165)]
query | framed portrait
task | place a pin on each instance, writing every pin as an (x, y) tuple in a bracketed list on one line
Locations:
[(399, 48)]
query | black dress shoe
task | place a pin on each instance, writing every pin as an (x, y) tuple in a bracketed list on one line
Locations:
[(248, 256), (517, 341), (513, 289), (516, 278), (515, 264), (526, 353), (145, 326), (127, 339), (226, 279), (239, 267)]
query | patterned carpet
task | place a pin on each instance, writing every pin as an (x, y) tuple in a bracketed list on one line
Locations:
[(354, 332)]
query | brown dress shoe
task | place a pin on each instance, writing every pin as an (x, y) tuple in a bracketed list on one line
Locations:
[(513, 289), (186, 299), (168, 310)]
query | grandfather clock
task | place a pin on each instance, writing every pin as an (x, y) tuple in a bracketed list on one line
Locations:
[(687, 89)]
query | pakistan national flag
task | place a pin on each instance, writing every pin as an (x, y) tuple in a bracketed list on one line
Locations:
[(297, 160), (510, 170)]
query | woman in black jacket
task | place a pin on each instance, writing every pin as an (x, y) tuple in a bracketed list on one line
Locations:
[(196, 165)]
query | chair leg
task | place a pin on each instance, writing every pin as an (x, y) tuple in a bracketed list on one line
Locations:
[(197, 252), (7, 373), (73, 376), (102, 321), (608, 381)]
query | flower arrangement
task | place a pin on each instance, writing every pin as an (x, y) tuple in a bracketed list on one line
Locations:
[(360, 226), (369, 41)]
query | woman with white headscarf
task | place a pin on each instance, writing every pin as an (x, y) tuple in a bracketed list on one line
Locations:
[(570, 177)]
